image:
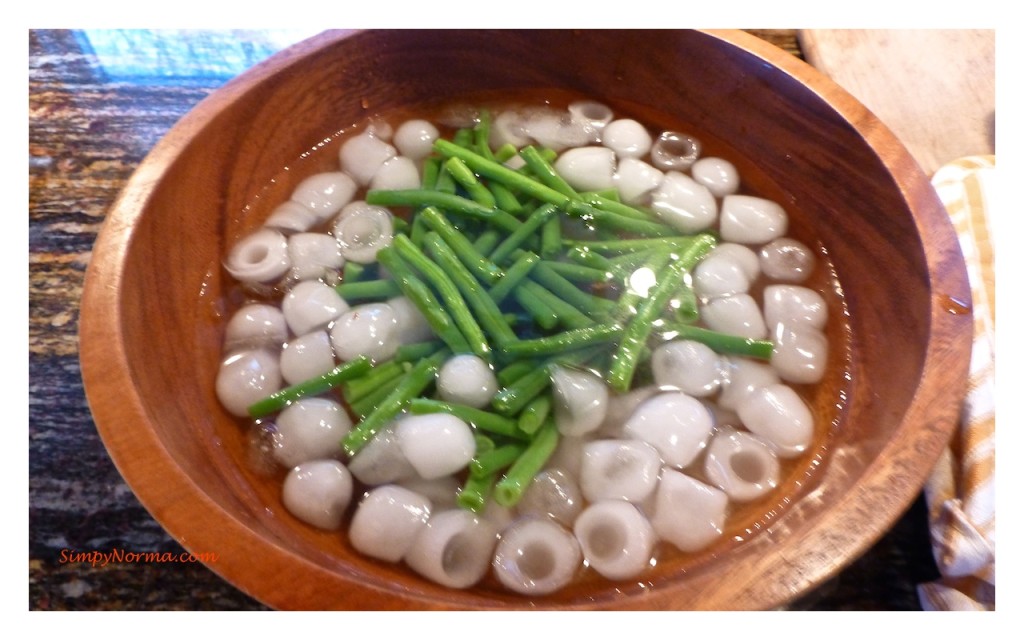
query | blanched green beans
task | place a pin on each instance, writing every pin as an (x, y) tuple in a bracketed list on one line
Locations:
[(634, 338), (420, 295), (450, 294), (415, 383)]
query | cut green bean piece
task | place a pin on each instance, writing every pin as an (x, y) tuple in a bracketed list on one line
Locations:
[(512, 372), (477, 191), (481, 419), (529, 227), (361, 387), (534, 414), (366, 290), (551, 238), (491, 462), (314, 386), (504, 152), (565, 313), (566, 290), (447, 201), (365, 405), (539, 310), (487, 241), (416, 350), (515, 274), (541, 168), (431, 169), (565, 341), (723, 343), (510, 488), (577, 272), (414, 384), (618, 247), (475, 492)]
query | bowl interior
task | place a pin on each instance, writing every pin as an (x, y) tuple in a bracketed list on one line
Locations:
[(153, 315)]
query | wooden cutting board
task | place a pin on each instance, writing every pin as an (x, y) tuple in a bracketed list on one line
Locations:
[(934, 88)]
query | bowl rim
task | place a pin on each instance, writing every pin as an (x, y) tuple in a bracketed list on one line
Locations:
[(175, 500)]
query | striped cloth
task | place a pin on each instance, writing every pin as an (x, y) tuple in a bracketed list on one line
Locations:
[(961, 490)]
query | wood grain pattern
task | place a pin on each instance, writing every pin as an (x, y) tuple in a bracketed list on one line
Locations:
[(935, 88), (819, 150)]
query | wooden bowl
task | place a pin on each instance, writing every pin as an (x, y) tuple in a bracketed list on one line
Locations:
[(153, 309)]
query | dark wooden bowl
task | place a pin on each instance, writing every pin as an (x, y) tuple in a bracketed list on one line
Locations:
[(153, 306)]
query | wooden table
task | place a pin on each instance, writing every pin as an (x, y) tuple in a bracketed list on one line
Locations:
[(90, 124)]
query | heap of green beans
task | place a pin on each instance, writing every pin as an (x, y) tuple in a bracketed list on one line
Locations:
[(486, 259)]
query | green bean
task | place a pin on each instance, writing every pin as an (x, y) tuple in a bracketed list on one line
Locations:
[(511, 399), (447, 201), (486, 310), (529, 227), (487, 241), (551, 238), (630, 261), (512, 372), (504, 152), (431, 170), (449, 293), (634, 337), (465, 177), (625, 306), (587, 257), (515, 274), (612, 205), (510, 488), (566, 290), (482, 134), (416, 350), (367, 290), (608, 220), (564, 341), (415, 383), (618, 247), (314, 386), (545, 172), (365, 405), (534, 414), (361, 387), (353, 271), (568, 315), (445, 182), (483, 443), (577, 272), (723, 343), (479, 418), (539, 310), (491, 462), (685, 302), (484, 270), (475, 491), (423, 299), (496, 171)]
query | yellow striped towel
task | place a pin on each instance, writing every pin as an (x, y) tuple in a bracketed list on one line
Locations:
[(961, 490)]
